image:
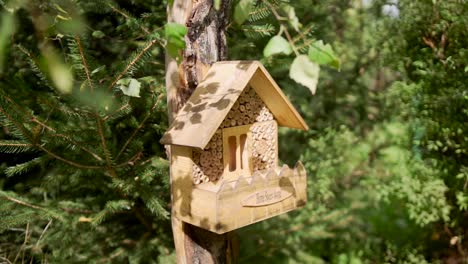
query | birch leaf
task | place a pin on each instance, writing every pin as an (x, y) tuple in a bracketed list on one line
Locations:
[(305, 72), (130, 87), (276, 45)]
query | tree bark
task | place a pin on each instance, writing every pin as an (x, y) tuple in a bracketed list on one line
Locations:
[(205, 44)]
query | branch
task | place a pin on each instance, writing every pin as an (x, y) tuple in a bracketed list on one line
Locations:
[(139, 127), (132, 63), (127, 105), (85, 63), (11, 199), (24, 131), (16, 144), (103, 140), (67, 138), (281, 20), (69, 162), (127, 17)]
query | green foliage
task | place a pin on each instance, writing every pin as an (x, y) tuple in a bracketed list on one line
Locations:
[(277, 45), (89, 183), (323, 54), (305, 72), (242, 10), (175, 34), (430, 49), (83, 178)]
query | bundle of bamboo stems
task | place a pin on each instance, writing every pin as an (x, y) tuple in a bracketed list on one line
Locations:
[(248, 109)]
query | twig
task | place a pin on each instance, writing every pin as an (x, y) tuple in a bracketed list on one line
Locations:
[(67, 138), (5, 259), (110, 167), (16, 144), (127, 17), (43, 232), (19, 126), (11, 199), (132, 63), (24, 243), (85, 63), (69, 162), (139, 127), (103, 139), (127, 105), (129, 160), (280, 19)]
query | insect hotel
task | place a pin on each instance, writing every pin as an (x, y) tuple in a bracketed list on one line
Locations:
[(224, 163)]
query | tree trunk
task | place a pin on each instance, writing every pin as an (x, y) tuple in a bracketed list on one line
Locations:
[(205, 44)]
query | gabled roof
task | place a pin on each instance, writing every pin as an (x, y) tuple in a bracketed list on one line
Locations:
[(212, 100)]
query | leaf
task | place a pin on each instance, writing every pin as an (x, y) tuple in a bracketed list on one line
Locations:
[(277, 45), (242, 11), (323, 54), (217, 4), (98, 34), (292, 18), (7, 28), (130, 87), (305, 72), (175, 36), (59, 72)]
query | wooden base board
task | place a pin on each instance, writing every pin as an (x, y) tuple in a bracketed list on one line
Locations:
[(243, 202)]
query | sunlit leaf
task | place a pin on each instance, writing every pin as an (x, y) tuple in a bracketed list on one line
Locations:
[(7, 28), (305, 72), (276, 45), (217, 4), (292, 18), (242, 11), (175, 37), (130, 87), (323, 54), (98, 34), (59, 72)]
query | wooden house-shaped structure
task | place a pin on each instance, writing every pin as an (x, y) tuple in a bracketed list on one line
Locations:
[(224, 154)]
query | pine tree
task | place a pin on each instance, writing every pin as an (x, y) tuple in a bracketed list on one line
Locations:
[(89, 181)]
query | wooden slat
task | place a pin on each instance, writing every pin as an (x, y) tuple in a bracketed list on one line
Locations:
[(196, 123), (283, 111), (214, 97)]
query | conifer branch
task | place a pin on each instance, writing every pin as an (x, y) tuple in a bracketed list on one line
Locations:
[(69, 162), (107, 154), (103, 140), (7, 144), (125, 106), (281, 20), (23, 130), (43, 232), (85, 63), (68, 139), (115, 9), (132, 63), (27, 236), (6, 260), (129, 140), (129, 161), (11, 199)]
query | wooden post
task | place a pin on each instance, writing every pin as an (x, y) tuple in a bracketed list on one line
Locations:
[(205, 44)]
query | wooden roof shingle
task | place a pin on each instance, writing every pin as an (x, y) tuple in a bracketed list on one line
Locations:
[(214, 97)]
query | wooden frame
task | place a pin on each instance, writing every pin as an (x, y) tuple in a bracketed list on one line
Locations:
[(241, 101), (237, 158)]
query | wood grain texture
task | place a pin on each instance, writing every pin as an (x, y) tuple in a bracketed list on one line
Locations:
[(244, 201), (206, 44), (214, 97)]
